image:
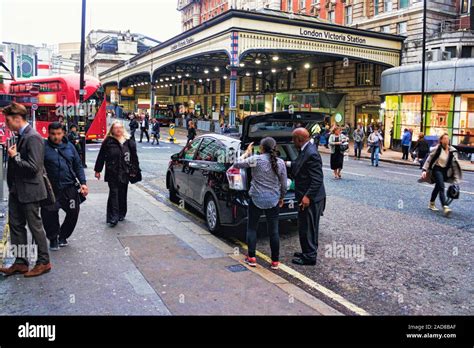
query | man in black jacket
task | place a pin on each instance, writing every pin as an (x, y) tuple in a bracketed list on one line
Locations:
[(27, 189), (310, 194), (64, 168), (144, 126)]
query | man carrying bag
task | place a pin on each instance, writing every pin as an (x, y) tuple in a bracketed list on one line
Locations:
[(64, 168)]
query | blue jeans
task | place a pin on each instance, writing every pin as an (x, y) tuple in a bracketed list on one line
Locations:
[(440, 176), (271, 214), (358, 147), (375, 155)]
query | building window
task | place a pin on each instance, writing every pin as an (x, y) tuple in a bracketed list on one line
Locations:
[(378, 70), (329, 77), (403, 3), (363, 75), (387, 5), (289, 5), (376, 7), (465, 6), (222, 85), (385, 29), (402, 28), (348, 15), (466, 52), (331, 16), (452, 50), (302, 5)]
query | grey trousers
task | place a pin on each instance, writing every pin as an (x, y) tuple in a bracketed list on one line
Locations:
[(19, 215), (308, 228)]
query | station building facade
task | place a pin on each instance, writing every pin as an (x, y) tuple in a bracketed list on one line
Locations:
[(240, 63)]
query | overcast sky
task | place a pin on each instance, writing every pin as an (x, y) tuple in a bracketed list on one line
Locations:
[(55, 21)]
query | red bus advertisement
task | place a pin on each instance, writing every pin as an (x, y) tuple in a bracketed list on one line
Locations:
[(50, 98), (5, 99)]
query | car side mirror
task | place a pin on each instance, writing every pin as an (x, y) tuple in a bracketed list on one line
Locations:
[(175, 157)]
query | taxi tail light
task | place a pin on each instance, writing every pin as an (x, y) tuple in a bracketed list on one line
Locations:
[(237, 179)]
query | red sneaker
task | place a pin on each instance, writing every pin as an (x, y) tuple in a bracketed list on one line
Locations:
[(251, 261), (275, 265)]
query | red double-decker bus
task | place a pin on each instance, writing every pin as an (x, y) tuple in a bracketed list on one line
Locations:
[(50, 98), (5, 99)]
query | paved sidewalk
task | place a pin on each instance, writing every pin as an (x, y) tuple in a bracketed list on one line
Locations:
[(157, 262)]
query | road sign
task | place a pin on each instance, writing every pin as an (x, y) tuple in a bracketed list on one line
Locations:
[(34, 107), (34, 91)]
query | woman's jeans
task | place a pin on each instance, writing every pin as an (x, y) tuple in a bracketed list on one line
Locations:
[(405, 150), (375, 155), (271, 214), (439, 176)]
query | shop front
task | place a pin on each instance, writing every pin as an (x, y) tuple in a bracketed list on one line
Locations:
[(449, 101)]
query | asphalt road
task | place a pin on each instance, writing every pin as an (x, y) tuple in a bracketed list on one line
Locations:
[(380, 247)]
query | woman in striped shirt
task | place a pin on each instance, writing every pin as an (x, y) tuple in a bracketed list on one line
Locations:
[(267, 191)]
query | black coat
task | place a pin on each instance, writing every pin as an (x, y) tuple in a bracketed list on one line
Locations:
[(117, 159), (133, 125), (307, 171), (25, 172)]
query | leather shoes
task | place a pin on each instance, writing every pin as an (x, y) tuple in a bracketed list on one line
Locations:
[(303, 262), (298, 255), (38, 270), (16, 268)]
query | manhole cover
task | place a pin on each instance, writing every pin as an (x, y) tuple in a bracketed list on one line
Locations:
[(237, 268)]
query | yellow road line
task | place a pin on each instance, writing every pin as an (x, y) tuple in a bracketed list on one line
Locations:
[(325, 291)]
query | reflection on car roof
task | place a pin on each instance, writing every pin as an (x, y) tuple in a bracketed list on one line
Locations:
[(227, 140)]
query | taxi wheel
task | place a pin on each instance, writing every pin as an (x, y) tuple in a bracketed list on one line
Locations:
[(172, 191), (212, 215)]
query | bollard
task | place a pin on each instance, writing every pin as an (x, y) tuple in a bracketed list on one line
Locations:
[(172, 139)]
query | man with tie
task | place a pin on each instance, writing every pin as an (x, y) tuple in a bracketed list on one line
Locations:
[(26, 190), (310, 194)]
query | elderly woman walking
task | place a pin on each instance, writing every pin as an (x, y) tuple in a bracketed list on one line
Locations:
[(119, 155), (267, 191)]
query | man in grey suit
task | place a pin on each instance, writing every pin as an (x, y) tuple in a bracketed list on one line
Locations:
[(27, 190), (310, 194)]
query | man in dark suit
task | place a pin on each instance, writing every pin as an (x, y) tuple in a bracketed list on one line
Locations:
[(144, 126), (27, 190), (310, 195)]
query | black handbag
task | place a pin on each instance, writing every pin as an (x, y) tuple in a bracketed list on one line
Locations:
[(134, 174), (51, 197)]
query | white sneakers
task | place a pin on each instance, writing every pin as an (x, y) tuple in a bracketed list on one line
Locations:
[(446, 210), (432, 206)]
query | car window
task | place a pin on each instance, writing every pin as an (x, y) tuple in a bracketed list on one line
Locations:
[(208, 150), (191, 149)]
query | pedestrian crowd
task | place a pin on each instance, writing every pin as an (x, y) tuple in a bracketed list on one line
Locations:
[(46, 176)]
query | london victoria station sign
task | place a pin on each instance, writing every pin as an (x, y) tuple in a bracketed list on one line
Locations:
[(329, 35)]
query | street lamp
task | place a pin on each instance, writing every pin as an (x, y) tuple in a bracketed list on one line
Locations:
[(423, 67), (82, 83)]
